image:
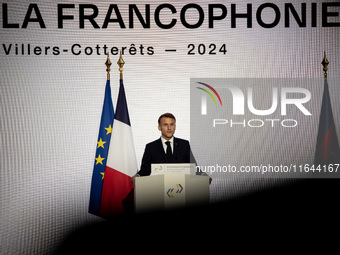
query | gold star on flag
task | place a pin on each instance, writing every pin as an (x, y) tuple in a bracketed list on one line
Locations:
[(102, 173), (99, 160), (101, 143), (109, 130)]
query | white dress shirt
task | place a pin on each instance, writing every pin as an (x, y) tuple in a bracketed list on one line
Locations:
[(171, 144)]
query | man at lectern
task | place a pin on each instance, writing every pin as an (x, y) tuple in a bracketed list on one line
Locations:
[(166, 149)]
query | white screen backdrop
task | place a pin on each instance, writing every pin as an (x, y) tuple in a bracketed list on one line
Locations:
[(50, 105)]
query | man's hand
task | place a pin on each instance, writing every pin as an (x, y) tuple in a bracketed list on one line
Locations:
[(210, 179), (133, 179)]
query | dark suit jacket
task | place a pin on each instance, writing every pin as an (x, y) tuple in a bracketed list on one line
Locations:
[(154, 153)]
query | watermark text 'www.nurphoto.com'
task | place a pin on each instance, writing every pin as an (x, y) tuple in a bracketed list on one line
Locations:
[(268, 168)]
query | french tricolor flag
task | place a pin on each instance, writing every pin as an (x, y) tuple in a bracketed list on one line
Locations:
[(327, 146), (117, 191)]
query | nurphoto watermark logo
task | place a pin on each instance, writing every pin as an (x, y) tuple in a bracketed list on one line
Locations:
[(241, 99), (261, 127)]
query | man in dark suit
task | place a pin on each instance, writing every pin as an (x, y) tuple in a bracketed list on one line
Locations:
[(166, 149)]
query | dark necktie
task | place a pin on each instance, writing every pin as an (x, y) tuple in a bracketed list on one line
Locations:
[(168, 151)]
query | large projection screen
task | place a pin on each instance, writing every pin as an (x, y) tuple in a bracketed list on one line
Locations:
[(52, 85)]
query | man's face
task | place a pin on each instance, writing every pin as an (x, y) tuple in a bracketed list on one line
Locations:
[(167, 127)]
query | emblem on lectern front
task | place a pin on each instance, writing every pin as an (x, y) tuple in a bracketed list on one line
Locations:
[(171, 192)]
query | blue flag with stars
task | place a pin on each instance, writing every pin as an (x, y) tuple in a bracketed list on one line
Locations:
[(103, 143)]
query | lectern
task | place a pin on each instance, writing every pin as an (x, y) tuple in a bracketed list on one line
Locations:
[(170, 186)]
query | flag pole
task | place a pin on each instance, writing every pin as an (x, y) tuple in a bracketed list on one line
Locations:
[(325, 64), (121, 63), (108, 64)]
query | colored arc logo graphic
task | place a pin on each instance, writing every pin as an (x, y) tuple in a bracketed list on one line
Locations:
[(212, 89)]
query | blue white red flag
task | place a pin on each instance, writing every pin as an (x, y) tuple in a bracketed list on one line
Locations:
[(117, 193), (327, 146)]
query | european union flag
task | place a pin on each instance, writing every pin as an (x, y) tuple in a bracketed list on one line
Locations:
[(103, 143)]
